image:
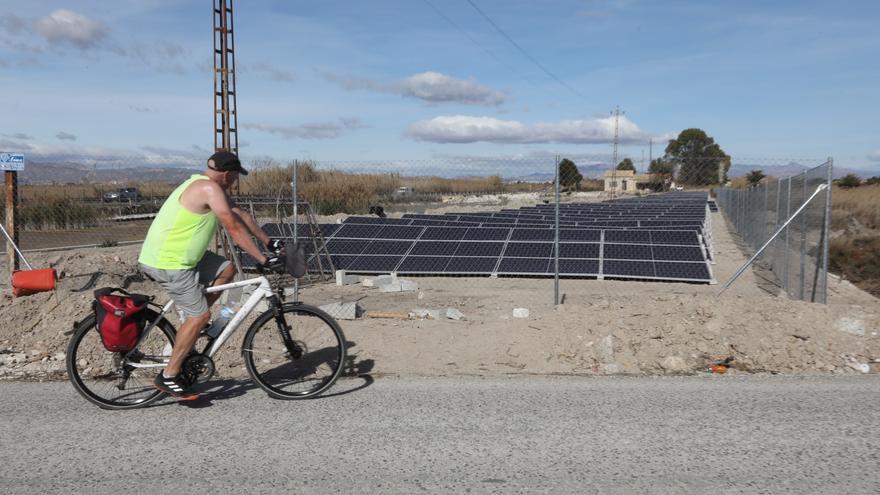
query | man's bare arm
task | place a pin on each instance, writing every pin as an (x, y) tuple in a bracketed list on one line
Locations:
[(241, 235), (248, 220)]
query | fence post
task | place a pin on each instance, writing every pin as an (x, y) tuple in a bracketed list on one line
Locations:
[(827, 232), (556, 241), (785, 269), (295, 190), (803, 241), (12, 219)]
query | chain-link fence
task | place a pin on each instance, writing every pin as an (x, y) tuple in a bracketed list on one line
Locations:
[(798, 255), (81, 203)]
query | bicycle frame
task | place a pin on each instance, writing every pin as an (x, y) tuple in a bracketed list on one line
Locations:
[(263, 291)]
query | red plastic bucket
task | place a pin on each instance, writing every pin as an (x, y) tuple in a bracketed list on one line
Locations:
[(26, 282)]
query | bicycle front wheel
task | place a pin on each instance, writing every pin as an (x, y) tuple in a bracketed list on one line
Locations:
[(303, 367), (101, 376)]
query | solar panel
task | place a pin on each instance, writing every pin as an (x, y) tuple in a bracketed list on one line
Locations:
[(477, 249), (486, 234), (577, 267), (628, 268), (686, 271), (399, 232), (388, 247), (471, 265), (434, 248), (528, 249), (524, 265), (627, 252), (346, 246), (375, 264), (653, 237), (571, 250), (677, 253), (355, 231), (424, 264), (444, 233)]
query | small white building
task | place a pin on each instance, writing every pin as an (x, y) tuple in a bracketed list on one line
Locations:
[(624, 181)]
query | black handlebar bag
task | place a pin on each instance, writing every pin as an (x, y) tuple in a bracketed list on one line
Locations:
[(120, 318), (295, 260)]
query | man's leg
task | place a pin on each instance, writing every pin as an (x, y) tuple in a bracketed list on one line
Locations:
[(187, 335), (226, 276)]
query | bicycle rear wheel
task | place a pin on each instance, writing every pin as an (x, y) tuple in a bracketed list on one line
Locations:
[(99, 375), (305, 366)]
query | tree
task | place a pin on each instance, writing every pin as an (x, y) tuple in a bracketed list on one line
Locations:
[(660, 167), (626, 164), (698, 158), (850, 180), (755, 177), (569, 176), (873, 181)]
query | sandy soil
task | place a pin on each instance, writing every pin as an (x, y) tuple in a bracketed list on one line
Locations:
[(603, 327)]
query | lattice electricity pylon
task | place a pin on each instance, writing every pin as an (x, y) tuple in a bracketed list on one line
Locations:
[(225, 110)]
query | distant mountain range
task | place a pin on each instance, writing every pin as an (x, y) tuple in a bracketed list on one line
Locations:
[(71, 173)]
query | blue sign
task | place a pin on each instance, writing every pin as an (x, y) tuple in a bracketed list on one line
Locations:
[(12, 161)]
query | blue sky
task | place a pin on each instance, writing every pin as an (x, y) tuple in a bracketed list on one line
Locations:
[(427, 79)]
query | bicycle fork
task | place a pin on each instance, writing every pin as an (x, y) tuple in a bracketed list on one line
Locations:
[(293, 349)]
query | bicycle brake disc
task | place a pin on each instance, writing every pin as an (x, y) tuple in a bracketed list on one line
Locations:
[(198, 368)]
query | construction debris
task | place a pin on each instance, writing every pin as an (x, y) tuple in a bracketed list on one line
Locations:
[(423, 313), (387, 314), (377, 281), (520, 312), (454, 314)]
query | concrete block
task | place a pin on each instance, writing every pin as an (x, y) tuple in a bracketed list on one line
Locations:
[(377, 281), (391, 287), (343, 279), (341, 310), (454, 314), (520, 312)]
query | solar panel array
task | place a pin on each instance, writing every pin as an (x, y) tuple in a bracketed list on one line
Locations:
[(658, 238)]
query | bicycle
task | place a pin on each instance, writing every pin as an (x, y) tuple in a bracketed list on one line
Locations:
[(298, 357)]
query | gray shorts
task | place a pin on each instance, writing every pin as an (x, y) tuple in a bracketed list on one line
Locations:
[(187, 287)]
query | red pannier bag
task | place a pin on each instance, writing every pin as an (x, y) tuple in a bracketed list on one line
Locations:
[(120, 319)]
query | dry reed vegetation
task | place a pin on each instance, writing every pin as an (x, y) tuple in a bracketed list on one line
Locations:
[(855, 252)]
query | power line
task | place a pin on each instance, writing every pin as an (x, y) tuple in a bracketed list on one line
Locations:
[(477, 43), (524, 52)]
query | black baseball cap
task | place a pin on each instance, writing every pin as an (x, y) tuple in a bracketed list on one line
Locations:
[(226, 161)]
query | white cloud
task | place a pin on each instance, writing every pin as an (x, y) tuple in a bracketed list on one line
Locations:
[(65, 136), (469, 129), (315, 130), (874, 156), (431, 87), (64, 26)]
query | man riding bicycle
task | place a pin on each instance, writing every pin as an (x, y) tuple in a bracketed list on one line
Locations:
[(175, 254)]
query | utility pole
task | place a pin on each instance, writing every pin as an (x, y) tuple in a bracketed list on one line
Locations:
[(650, 152), (225, 111), (614, 154)]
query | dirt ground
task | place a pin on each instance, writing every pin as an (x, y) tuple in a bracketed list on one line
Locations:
[(602, 327)]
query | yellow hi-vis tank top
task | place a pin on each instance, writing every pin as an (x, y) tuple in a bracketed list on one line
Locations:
[(178, 238)]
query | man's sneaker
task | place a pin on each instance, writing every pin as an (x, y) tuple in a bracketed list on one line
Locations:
[(176, 387)]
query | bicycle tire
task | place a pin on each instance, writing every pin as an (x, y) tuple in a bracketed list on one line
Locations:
[(92, 388), (324, 349)]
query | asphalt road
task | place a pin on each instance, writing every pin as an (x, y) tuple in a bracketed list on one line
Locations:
[(707, 435)]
